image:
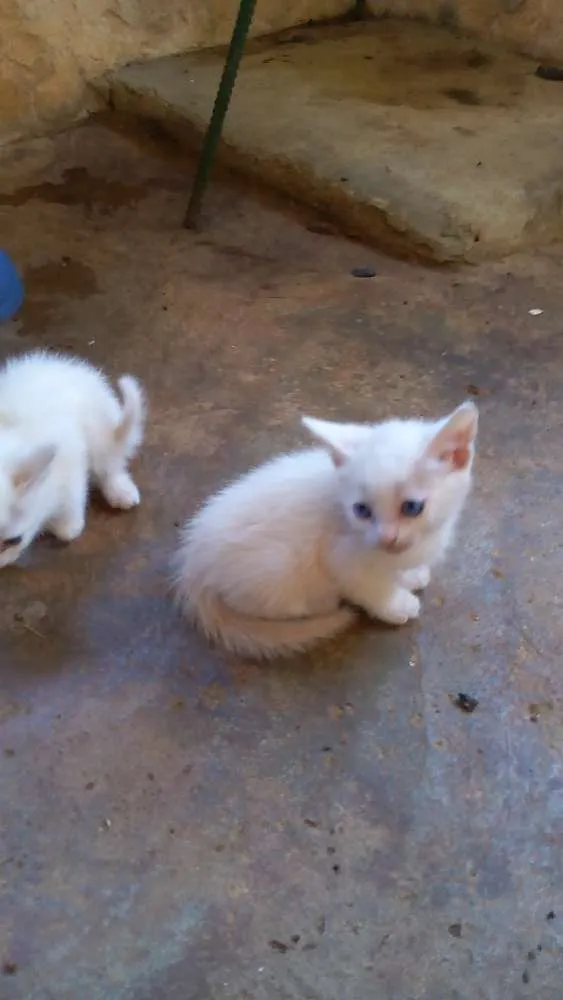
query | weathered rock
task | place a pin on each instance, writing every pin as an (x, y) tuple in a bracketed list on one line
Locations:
[(534, 27), (50, 51)]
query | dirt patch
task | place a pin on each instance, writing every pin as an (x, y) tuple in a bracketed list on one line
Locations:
[(66, 276), (79, 187), (49, 284)]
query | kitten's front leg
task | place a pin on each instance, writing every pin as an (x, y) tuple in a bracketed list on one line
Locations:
[(365, 582), (383, 599), (416, 578), (68, 525), (397, 607), (70, 518)]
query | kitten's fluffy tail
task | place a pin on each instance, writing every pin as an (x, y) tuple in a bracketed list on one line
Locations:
[(129, 431), (260, 638)]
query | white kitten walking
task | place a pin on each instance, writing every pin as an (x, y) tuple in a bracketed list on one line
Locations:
[(267, 563), (60, 425)]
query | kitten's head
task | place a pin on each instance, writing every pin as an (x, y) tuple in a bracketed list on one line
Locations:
[(19, 479), (402, 480)]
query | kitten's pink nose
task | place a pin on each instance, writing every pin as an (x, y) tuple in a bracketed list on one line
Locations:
[(388, 534)]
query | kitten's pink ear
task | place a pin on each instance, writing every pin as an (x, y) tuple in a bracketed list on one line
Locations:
[(340, 440), (453, 444), (31, 470)]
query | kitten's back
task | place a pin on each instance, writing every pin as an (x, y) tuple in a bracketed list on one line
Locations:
[(248, 530), (38, 388), (249, 570), (300, 485)]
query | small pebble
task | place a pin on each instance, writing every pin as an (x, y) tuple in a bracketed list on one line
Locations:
[(535, 312), (549, 73), (465, 702), (363, 272), (278, 946)]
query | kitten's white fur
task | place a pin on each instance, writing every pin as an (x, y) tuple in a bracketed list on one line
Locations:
[(60, 425), (266, 563)]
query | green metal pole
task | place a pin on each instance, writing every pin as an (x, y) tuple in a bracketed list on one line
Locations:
[(220, 108), (359, 10)]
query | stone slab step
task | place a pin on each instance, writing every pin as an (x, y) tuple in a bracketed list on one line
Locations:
[(419, 140)]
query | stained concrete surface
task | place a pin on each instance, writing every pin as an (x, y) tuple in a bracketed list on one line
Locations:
[(415, 137), (181, 825)]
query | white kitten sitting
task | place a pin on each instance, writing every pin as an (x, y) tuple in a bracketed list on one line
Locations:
[(60, 424), (265, 565)]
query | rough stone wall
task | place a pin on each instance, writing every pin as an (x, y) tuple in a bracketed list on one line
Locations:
[(51, 49), (534, 27)]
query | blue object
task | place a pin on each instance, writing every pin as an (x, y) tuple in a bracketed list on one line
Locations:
[(11, 288)]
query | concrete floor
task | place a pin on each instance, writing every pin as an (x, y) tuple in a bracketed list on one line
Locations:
[(179, 825)]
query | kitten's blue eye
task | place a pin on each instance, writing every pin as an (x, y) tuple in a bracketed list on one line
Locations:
[(412, 508), (363, 511)]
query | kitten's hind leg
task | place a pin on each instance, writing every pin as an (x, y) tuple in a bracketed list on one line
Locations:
[(416, 578), (118, 487), (111, 468)]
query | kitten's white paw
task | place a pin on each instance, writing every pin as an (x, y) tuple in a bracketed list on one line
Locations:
[(68, 528), (416, 579), (121, 492), (10, 556), (400, 608)]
